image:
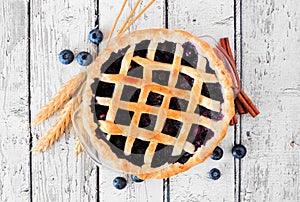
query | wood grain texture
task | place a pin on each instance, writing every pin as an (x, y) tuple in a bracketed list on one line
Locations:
[(14, 149), (151, 190), (56, 25), (214, 19), (267, 41), (271, 76), (202, 17)]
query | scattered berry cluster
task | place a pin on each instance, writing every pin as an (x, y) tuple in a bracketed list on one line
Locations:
[(83, 58), (121, 182), (238, 151)]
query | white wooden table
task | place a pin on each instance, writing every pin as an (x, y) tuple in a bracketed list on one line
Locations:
[(266, 38)]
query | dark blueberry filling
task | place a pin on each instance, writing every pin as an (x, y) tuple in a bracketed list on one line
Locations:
[(199, 135), (101, 111), (178, 104), (103, 89), (113, 64), (123, 117), (141, 49), (154, 99), (208, 69), (130, 94), (163, 154), (101, 135), (213, 91), (147, 121), (135, 96), (118, 141), (160, 147), (161, 77), (139, 146), (172, 127), (184, 158), (165, 52), (135, 70), (184, 82), (190, 55), (203, 111)]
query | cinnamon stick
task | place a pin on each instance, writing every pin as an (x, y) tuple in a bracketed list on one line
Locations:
[(246, 105), (240, 107), (243, 102), (248, 100), (234, 120)]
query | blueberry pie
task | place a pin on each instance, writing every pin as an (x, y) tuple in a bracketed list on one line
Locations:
[(155, 103)]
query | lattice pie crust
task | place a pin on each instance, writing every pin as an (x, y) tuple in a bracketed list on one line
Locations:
[(156, 102)]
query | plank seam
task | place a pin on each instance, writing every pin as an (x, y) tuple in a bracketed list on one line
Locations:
[(166, 182), (97, 20), (241, 62), (238, 51), (166, 14), (29, 98), (241, 78)]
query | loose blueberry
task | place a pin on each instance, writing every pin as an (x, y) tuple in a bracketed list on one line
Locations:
[(84, 58), (217, 153), (119, 182), (239, 151), (66, 56), (214, 174), (96, 36), (136, 179)]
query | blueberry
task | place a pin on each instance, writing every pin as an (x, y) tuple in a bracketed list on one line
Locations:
[(95, 36), (119, 182), (84, 58), (217, 153), (66, 56), (239, 151), (214, 174), (136, 179)]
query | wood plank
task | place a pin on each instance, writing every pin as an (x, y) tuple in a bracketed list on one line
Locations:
[(14, 110), (237, 46), (270, 69), (58, 25), (151, 190), (202, 18), (214, 19)]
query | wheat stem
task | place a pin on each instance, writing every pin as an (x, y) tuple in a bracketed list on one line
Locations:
[(130, 16), (63, 95), (136, 18), (116, 21), (58, 128), (78, 148)]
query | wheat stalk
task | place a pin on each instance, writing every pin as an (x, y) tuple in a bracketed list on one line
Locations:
[(58, 128), (64, 94), (78, 148)]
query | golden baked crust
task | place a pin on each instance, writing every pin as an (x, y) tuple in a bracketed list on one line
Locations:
[(95, 134)]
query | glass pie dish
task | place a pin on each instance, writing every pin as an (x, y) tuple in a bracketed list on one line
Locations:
[(156, 102)]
